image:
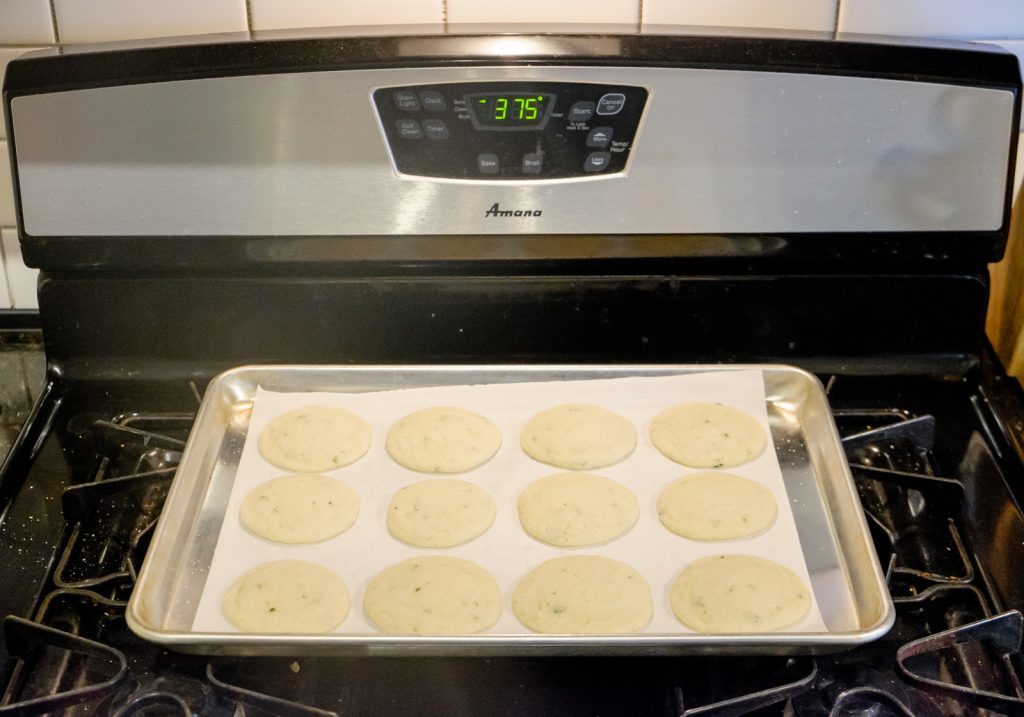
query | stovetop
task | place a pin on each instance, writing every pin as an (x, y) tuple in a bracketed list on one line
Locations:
[(933, 472)]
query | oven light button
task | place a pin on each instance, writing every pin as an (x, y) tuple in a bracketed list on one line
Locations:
[(409, 129), (611, 103), (597, 161), (406, 101), (599, 137), (487, 163)]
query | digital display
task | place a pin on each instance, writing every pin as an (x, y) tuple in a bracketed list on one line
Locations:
[(511, 110)]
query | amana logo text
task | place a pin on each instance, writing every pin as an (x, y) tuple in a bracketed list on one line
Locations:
[(496, 211)]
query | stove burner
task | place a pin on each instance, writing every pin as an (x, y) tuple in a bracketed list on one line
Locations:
[(946, 654)]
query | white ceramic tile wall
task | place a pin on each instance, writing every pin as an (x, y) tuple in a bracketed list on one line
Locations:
[(20, 279), (786, 14), (277, 14), (5, 295), (6, 55), (555, 11), (25, 22), (941, 18), (6, 191), (101, 20)]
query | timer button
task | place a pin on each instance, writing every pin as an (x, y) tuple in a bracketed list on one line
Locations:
[(597, 161), (487, 163), (409, 129), (433, 101), (599, 137), (611, 104), (581, 111), (435, 129), (533, 163), (406, 101)]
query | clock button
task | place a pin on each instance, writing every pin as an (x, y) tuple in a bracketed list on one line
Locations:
[(433, 101), (597, 161), (533, 163), (599, 137), (406, 101), (487, 163), (611, 103), (435, 129), (581, 111), (409, 129)]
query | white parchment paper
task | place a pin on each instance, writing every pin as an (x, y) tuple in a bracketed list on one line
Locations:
[(506, 550)]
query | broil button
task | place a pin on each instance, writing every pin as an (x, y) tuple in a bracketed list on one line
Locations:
[(533, 163), (611, 103)]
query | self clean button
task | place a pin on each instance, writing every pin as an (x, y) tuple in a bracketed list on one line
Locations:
[(611, 103), (409, 129)]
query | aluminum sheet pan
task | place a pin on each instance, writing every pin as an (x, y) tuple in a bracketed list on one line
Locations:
[(833, 532)]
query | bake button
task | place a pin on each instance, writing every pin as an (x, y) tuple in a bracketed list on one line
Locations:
[(599, 137), (581, 111), (533, 163), (487, 163), (433, 101), (597, 161), (611, 104), (409, 129), (435, 129), (406, 101)]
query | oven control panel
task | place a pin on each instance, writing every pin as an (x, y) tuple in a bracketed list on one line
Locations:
[(510, 130)]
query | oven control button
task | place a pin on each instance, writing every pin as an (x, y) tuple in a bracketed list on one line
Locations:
[(533, 163), (409, 129), (435, 129), (406, 101), (487, 163), (597, 161), (599, 137), (581, 111), (433, 101), (611, 103)]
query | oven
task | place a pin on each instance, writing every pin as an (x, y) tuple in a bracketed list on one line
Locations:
[(516, 198)]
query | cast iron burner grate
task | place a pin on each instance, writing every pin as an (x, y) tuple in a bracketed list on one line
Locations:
[(947, 654)]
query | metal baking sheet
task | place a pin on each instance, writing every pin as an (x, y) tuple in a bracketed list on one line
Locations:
[(832, 531)]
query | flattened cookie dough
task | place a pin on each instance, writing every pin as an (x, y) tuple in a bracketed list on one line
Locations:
[(737, 594), (716, 506), (287, 596), (576, 509), (578, 436), (440, 513), (433, 596), (300, 508), (443, 440), (583, 594), (313, 439), (707, 435)]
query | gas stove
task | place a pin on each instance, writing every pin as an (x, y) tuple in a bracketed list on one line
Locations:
[(829, 204)]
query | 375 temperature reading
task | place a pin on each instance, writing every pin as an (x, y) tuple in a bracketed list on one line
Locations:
[(512, 111)]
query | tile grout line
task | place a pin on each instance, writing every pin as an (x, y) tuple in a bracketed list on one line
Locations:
[(248, 15), (53, 21), (4, 271), (835, 19), (444, 14), (640, 16)]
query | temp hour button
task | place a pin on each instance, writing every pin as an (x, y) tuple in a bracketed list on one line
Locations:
[(597, 161)]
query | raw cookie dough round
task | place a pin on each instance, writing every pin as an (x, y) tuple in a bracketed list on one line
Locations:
[(716, 506), (433, 595), (288, 596), (443, 440), (578, 436), (440, 513), (312, 439), (738, 593), (583, 594), (707, 435), (575, 509), (300, 508)]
